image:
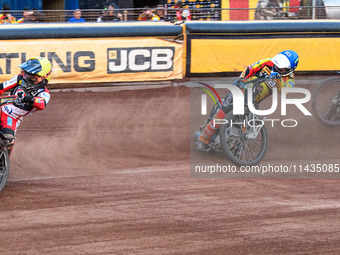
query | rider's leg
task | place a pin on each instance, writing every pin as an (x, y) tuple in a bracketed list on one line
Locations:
[(7, 128), (211, 128)]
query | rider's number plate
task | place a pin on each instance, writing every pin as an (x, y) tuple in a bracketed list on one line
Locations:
[(271, 83)]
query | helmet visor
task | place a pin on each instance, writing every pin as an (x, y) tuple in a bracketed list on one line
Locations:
[(32, 66)]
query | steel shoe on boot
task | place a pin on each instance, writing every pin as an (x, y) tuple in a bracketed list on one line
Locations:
[(202, 145)]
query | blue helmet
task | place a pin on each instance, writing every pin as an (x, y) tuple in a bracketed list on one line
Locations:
[(285, 62)]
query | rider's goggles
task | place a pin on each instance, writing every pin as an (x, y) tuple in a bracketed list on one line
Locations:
[(31, 78), (283, 71)]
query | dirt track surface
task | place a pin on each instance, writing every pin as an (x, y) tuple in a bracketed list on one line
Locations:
[(108, 173)]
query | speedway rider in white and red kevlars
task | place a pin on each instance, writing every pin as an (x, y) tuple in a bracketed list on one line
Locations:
[(275, 72), (30, 87)]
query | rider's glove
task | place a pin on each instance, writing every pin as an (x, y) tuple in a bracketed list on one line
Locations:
[(274, 75), (28, 99)]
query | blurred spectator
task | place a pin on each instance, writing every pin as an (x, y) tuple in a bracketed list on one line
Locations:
[(148, 15), (6, 17), (182, 15), (109, 15), (39, 15), (76, 17), (308, 11), (267, 10), (25, 15), (35, 17), (161, 12)]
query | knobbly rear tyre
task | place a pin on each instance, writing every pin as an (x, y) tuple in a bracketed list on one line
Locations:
[(4, 165)]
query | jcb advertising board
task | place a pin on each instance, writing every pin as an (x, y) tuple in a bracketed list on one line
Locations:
[(97, 60)]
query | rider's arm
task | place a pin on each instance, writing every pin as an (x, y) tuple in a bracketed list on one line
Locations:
[(286, 82), (40, 101), (289, 81), (263, 66), (259, 70), (7, 85)]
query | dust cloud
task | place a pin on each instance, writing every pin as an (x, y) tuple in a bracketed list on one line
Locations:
[(84, 133)]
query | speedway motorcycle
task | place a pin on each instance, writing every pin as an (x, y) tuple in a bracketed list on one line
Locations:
[(242, 138), (326, 102), (4, 143)]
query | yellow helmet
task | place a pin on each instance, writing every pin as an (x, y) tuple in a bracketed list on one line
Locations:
[(36, 70)]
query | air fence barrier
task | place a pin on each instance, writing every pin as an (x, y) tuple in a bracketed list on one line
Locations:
[(159, 51)]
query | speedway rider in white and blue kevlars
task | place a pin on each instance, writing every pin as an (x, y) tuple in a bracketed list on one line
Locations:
[(275, 72)]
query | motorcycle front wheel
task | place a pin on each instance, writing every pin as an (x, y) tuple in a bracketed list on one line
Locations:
[(240, 149), (4, 165)]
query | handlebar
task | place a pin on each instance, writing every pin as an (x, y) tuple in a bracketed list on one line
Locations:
[(7, 99)]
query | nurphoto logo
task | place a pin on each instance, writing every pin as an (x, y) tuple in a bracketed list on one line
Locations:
[(239, 102)]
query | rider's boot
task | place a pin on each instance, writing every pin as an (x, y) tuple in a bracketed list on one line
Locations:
[(211, 128), (10, 147), (10, 143)]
